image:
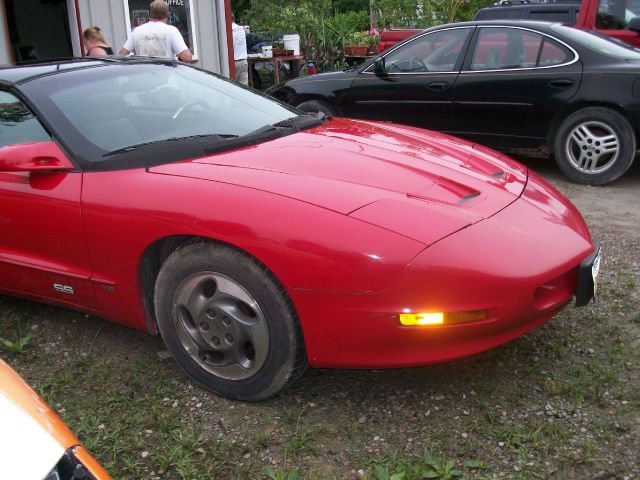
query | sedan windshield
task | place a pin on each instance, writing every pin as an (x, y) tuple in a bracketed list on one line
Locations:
[(109, 110), (597, 42)]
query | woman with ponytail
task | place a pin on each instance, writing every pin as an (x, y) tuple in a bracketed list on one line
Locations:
[(95, 42)]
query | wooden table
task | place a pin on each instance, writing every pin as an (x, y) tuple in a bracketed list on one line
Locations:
[(275, 61)]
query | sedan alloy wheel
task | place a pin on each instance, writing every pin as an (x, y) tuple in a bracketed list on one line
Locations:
[(592, 147)]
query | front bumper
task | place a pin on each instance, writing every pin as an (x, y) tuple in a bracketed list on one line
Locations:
[(522, 265)]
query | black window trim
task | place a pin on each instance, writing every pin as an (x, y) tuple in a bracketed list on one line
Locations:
[(11, 90)]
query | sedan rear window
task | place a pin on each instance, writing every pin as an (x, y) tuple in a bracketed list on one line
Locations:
[(599, 43)]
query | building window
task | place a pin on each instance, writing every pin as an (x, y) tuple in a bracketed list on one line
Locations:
[(181, 16)]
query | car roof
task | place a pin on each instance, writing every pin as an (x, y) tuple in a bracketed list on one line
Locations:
[(14, 74), (533, 24), (502, 22)]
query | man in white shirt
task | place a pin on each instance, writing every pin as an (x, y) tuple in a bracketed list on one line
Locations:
[(156, 38), (240, 52)]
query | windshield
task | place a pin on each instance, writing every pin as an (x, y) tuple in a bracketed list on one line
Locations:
[(104, 111), (597, 42)]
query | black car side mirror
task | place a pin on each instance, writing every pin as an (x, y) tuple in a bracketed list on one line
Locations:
[(634, 24), (378, 66)]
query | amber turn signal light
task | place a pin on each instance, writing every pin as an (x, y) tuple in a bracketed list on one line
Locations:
[(442, 318)]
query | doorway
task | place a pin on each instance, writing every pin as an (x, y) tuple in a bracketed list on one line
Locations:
[(38, 29)]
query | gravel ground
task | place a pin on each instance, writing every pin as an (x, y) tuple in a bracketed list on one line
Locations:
[(561, 402)]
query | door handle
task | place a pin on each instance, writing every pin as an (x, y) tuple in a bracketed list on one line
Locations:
[(561, 82), (437, 86)]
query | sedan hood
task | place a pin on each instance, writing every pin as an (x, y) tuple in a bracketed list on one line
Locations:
[(418, 183), (323, 77)]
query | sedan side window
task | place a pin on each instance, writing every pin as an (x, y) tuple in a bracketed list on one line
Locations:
[(433, 52), (509, 48), (17, 123)]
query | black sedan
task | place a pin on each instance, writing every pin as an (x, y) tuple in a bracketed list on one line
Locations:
[(507, 85)]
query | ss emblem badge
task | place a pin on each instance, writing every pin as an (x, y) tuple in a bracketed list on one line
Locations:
[(58, 287)]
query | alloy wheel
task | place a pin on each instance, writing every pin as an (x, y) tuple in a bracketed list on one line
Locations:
[(592, 147), (221, 325)]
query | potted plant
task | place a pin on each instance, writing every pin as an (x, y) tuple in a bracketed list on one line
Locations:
[(357, 45), (278, 48), (374, 44)]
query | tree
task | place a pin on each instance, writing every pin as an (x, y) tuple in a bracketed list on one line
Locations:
[(342, 6), (240, 8)]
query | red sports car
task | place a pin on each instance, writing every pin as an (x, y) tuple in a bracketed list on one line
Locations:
[(256, 239)]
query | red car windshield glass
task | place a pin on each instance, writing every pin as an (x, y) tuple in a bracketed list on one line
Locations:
[(113, 107)]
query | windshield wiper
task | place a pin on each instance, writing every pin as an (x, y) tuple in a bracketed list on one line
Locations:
[(266, 128), (294, 124), (130, 148)]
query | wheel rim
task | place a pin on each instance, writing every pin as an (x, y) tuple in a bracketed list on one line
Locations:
[(221, 325), (592, 147)]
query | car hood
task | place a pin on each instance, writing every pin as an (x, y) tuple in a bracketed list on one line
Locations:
[(323, 77), (421, 184)]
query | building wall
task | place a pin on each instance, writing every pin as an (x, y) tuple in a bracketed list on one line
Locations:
[(109, 15), (209, 17), (4, 40)]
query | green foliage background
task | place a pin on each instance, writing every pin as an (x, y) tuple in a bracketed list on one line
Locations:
[(327, 26)]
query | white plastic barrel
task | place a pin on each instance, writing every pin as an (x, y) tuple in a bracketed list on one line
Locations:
[(292, 42)]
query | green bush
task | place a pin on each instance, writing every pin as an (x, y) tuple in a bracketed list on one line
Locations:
[(327, 26), (323, 32)]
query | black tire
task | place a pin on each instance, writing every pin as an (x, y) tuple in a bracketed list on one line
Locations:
[(594, 146), (228, 323), (313, 106)]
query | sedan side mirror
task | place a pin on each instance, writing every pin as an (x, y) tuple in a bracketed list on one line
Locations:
[(34, 157), (378, 66)]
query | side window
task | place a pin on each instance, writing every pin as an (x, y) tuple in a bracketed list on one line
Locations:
[(434, 52), (508, 48), (553, 53), (17, 123), (550, 15), (616, 14), (499, 13)]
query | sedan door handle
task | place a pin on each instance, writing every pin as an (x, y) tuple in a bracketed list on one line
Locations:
[(438, 86), (561, 82)]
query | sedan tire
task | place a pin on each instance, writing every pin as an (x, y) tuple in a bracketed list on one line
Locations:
[(228, 323), (313, 106), (594, 146)]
